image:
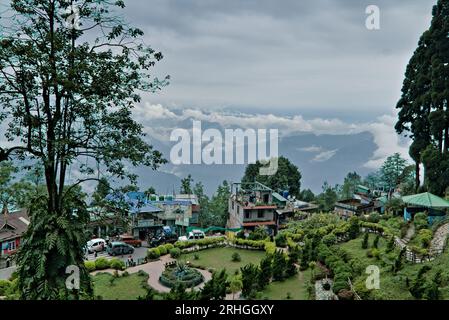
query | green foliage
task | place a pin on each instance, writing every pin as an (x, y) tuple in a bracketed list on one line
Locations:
[(236, 257), (279, 266), (260, 233), (350, 184), (327, 199), (266, 272), (306, 195), (117, 264), (168, 247), (175, 253), (162, 250), (153, 253), (287, 177), (90, 266), (70, 98), (281, 240), (250, 274), (376, 242), (201, 242), (5, 286), (215, 289), (102, 263), (365, 241), (186, 185), (420, 221)]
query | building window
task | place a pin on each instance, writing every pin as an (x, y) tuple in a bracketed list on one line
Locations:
[(247, 215), (238, 209), (232, 205), (11, 246), (260, 214)]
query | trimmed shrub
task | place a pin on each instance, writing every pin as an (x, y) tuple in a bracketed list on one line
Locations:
[(169, 246), (5, 286), (162, 250), (102, 263), (117, 264), (153, 254), (175, 253), (90, 266), (270, 247), (236, 257), (281, 240)]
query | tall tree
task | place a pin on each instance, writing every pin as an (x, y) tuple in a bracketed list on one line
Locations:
[(186, 185), (287, 177), (352, 179), (424, 105), (68, 90), (392, 170)]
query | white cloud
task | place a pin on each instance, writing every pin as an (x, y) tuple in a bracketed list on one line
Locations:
[(324, 156), (160, 120)]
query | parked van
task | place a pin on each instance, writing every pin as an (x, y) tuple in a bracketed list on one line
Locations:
[(96, 245), (119, 248), (193, 235)]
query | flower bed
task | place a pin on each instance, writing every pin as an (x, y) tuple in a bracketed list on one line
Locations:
[(180, 273)]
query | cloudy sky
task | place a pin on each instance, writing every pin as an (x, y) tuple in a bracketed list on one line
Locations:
[(314, 58), (300, 66)]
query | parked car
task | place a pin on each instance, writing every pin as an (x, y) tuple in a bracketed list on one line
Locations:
[(96, 245), (131, 241), (193, 235), (119, 248)]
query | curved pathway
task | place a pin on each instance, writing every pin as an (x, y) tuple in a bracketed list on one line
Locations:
[(154, 269)]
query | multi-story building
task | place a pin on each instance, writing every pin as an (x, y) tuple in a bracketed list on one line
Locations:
[(12, 227), (252, 205)]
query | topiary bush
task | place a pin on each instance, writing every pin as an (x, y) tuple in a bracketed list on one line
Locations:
[(281, 240), (169, 246), (5, 286), (90, 266), (175, 253), (102, 263), (153, 254), (236, 257), (117, 264), (162, 250)]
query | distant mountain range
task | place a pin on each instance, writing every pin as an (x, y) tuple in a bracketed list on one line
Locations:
[(320, 158)]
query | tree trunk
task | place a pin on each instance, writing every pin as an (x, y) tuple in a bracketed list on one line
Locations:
[(417, 179)]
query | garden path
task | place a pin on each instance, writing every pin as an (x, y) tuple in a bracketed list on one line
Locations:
[(154, 269)]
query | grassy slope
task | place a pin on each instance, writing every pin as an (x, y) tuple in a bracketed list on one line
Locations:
[(394, 286), (124, 288), (296, 286)]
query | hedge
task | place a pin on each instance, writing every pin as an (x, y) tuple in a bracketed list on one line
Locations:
[(175, 253), (153, 253), (5, 286), (117, 264), (200, 243), (102, 263), (162, 250), (90, 266)]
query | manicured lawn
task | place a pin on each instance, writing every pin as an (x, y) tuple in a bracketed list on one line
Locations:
[(219, 258), (296, 286), (124, 288)]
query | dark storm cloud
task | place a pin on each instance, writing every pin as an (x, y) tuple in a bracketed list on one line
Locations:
[(298, 55)]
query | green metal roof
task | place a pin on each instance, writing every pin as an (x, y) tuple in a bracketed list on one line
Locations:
[(426, 200), (278, 197)]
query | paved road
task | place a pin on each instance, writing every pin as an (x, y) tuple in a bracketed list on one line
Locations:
[(5, 274), (154, 269), (138, 253)]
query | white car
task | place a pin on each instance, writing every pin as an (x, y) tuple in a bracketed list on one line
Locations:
[(193, 235), (96, 245)]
